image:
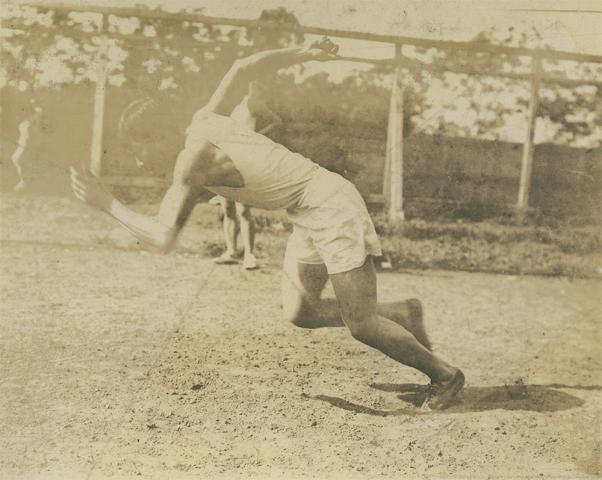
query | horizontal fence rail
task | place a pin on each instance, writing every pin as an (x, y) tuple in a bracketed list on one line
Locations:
[(357, 35)]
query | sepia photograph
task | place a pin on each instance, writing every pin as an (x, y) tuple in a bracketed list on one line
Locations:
[(300, 239)]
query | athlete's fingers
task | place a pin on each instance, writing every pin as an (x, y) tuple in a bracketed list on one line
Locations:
[(75, 177), (322, 44), (331, 56), (329, 45), (79, 195), (77, 182), (78, 190)]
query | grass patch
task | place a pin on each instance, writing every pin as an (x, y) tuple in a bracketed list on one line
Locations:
[(495, 247)]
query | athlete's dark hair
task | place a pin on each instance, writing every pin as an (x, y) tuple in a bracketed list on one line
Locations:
[(146, 118)]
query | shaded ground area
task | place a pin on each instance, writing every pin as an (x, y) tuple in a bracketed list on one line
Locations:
[(118, 363)]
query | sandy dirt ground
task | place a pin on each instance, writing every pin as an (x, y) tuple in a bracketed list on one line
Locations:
[(120, 363)]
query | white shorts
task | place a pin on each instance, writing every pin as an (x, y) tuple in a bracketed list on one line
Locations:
[(338, 233)]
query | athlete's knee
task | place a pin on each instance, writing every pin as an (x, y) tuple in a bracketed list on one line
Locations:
[(363, 330)]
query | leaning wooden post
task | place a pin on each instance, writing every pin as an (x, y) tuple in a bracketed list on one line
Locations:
[(394, 163), (99, 102), (524, 187)]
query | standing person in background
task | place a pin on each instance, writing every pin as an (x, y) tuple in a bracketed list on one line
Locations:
[(22, 142), (237, 219)]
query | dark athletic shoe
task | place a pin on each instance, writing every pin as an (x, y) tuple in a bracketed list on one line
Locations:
[(417, 318), (441, 396)]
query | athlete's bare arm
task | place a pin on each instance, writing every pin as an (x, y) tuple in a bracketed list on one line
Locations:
[(159, 231), (235, 83)]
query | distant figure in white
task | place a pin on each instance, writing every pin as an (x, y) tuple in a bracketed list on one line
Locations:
[(237, 220), (24, 130)]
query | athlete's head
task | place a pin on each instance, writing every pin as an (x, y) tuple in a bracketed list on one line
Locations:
[(147, 126)]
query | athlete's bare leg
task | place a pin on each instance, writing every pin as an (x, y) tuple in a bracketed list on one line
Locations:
[(302, 286), (247, 232), (356, 294), (408, 314)]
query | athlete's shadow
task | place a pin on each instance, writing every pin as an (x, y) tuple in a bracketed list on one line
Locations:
[(534, 398)]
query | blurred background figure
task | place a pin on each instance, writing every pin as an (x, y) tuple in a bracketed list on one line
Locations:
[(25, 127), (237, 219)]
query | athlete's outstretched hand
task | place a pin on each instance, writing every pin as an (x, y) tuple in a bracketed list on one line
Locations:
[(89, 192), (323, 50)]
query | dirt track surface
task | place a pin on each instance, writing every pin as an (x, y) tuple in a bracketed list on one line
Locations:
[(118, 363)]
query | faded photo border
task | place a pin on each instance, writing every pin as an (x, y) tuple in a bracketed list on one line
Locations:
[(480, 171)]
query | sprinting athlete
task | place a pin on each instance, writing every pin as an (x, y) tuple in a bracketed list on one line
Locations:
[(333, 236)]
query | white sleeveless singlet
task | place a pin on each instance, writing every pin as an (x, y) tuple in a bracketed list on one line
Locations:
[(274, 177)]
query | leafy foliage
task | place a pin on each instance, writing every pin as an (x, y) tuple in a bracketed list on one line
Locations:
[(485, 106)]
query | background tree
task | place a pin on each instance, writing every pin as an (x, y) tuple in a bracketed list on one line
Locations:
[(485, 106)]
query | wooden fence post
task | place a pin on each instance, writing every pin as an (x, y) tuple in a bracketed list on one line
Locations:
[(393, 178), (387, 169), (99, 102), (524, 187)]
